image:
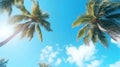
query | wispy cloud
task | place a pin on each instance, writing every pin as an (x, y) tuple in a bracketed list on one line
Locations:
[(50, 55), (113, 41), (116, 64), (81, 55), (58, 61), (94, 63)]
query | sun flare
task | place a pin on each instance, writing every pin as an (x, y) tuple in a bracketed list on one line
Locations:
[(5, 31)]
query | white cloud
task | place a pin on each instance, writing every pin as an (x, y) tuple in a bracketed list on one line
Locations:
[(81, 54), (113, 41), (58, 61), (94, 63), (50, 55), (116, 64)]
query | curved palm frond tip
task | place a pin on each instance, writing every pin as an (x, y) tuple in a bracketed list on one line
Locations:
[(99, 20), (6, 5), (44, 65), (34, 21), (3, 62)]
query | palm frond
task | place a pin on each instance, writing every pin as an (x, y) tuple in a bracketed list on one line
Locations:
[(82, 31), (30, 32), (90, 7), (94, 37), (110, 25), (36, 9), (46, 25), (18, 18), (81, 19), (18, 2), (114, 36), (24, 33), (25, 28), (24, 10), (88, 35), (102, 37), (100, 8), (116, 16), (3, 62), (44, 65), (6, 5), (87, 39), (37, 27), (112, 7), (45, 15)]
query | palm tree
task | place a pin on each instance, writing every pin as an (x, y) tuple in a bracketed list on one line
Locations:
[(99, 20), (44, 65), (3, 62), (6, 5), (34, 21)]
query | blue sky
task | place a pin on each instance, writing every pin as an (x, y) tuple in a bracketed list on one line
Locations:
[(59, 48)]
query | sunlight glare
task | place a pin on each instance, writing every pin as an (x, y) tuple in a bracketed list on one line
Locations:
[(5, 31)]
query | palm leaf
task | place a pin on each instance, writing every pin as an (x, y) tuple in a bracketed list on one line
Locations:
[(88, 35), (116, 16), (81, 19), (94, 37), (3, 62), (30, 32), (18, 18), (110, 25), (90, 8), (46, 25), (82, 31), (19, 2), (102, 38), (35, 9), (44, 65), (112, 7), (100, 8), (6, 5), (114, 36), (45, 15), (87, 39), (24, 33), (24, 10), (37, 27)]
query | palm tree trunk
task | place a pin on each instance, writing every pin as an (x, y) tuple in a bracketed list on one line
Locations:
[(15, 33)]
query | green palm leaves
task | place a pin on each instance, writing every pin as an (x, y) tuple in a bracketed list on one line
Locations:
[(6, 5), (44, 65), (3, 62), (37, 19), (98, 21), (32, 22)]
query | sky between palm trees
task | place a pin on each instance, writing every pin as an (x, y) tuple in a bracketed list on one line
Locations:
[(59, 48)]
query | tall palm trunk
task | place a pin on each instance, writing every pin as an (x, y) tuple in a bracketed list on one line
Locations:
[(15, 33)]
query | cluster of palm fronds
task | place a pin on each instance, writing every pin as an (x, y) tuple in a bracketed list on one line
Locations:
[(6, 5), (33, 20), (44, 65), (100, 19), (3, 62)]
